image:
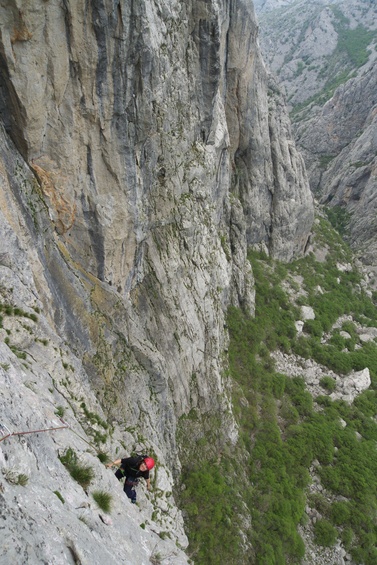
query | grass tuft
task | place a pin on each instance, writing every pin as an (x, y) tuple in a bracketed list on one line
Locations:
[(103, 500), (60, 497), (83, 474)]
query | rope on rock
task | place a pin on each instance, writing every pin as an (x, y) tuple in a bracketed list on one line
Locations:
[(5, 431)]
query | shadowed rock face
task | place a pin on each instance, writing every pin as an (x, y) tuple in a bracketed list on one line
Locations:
[(143, 151)]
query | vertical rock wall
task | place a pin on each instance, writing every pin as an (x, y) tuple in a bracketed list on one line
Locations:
[(142, 153), (159, 153)]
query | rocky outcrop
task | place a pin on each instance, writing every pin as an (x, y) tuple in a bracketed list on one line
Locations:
[(170, 72), (346, 388), (46, 515), (138, 120), (260, 134), (142, 153)]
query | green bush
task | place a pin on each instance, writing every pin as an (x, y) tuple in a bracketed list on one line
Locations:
[(364, 555), (339, 219), (15, 478), (83, 474), (300, 397), (323, 400), (212, 509), (278, 385), (367, 403), (335, 360), (22, 479), (103, 457), (60, 410), (328, 383), (288, 412), (338, 341), (324, 533), (350, 328), (347, 536), (302, 347), (340, 513), (69, 457), (60, 497), (320, 503), (313, 327)]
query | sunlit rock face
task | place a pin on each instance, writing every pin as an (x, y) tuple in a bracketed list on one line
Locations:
[(144, 149)]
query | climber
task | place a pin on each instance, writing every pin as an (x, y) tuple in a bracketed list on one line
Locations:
[(132, 468)]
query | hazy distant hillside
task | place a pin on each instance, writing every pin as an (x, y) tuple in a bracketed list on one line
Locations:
[(324, 57), (313, 47), (267, 5)]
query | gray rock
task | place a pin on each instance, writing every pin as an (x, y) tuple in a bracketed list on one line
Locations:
[(307, 313), (346, 335)]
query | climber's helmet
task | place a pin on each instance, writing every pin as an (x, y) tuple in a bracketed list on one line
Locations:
[(149, 463)]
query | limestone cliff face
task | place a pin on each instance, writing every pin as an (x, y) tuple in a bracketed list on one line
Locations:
[(142, 153)]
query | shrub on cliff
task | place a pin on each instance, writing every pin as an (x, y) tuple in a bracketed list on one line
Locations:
[(324, 533), (83, 474)]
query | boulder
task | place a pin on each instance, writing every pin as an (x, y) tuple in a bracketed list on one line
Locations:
[(307, 313)]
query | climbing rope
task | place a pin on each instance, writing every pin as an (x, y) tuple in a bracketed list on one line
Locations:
[(8, 433), (5, 432)]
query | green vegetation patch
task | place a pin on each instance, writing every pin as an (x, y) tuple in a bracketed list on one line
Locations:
[(103, 457), (284, 434), (351, 53), (11, 310), (324, 533), (339, 218), (320, 99), (213, 506), (283, 430), (340, 295), (103, 500), (325, 160), (355, 43), (83, 474), (59, 495)]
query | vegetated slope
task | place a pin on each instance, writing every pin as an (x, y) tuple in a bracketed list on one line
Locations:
[(325, 58), (305, 398)]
